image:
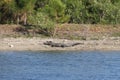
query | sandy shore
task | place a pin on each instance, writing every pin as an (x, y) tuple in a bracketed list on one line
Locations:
[(36, 44)]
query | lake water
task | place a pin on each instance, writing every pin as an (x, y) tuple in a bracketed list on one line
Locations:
[(56, 65)]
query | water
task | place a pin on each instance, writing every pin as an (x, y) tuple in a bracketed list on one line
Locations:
[(84, 65)]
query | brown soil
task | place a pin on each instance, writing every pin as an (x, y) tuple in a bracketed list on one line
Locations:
[(81, 31), (9, 30), (66, 31)]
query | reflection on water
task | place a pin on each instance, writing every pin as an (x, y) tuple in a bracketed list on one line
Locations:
[(85, 65)]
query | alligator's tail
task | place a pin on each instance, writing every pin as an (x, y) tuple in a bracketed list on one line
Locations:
[(76, 44)]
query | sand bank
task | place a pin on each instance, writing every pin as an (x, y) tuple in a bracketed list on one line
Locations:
[(36, 44)]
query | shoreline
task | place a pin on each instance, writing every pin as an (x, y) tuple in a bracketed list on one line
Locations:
[(36, 44)]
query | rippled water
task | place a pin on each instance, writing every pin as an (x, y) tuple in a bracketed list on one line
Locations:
[(84, 65)]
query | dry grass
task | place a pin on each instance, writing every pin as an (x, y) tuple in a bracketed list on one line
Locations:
[(66, 31), (82, 31)]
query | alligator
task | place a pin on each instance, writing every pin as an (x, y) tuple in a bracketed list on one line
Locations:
[(53, 44)]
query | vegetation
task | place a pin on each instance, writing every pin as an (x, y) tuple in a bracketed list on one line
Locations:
[(41, 22), (43, 14)]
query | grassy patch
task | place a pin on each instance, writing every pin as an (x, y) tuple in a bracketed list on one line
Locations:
[(117, 34)]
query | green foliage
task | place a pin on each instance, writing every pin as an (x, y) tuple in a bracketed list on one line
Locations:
[(25, 5), (74, 9), (101, 11), (7, 9), (62, 11), (42, 22), (56, 11), (41, 4), (110, 12)]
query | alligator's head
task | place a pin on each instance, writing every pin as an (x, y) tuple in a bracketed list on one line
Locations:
[(48, 43)]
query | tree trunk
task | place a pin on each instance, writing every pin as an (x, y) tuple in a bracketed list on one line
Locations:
[(18, 19), (25, 18)]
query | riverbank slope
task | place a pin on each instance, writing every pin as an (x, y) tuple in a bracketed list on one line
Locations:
[(92, 37)]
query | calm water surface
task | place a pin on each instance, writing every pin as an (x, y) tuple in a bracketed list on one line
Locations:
[(84, 65)]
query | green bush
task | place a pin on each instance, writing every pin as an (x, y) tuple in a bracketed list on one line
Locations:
[(55, 9), (62, 11), (41, 21)]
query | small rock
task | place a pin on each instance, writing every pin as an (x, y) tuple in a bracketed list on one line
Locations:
[(11, 46)]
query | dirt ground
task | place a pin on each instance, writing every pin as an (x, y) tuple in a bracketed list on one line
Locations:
[(92, 37), (37, 44), (82, 31), (66, 31)]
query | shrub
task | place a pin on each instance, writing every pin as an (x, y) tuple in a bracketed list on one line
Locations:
[(41, 22), (55, 9)]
